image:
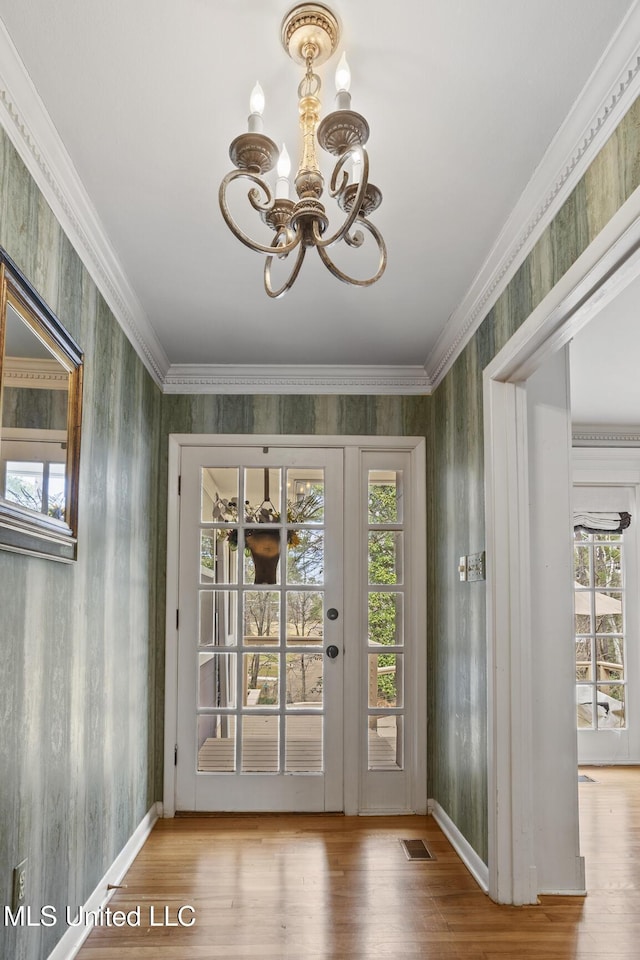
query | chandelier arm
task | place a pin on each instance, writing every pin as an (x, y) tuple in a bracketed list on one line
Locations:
[(382, 262), (253, 197), (357, 150), (335, 191), (275, 294)]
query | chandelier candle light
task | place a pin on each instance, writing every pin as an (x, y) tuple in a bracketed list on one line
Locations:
[(310, 35)]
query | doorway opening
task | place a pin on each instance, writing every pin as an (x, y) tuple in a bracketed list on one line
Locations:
[(295, 625), (534, 843)]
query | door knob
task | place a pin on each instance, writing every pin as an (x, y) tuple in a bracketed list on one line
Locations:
[(332, 651), (332, 614)]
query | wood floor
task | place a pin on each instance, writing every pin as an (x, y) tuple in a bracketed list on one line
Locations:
[(341, 888)]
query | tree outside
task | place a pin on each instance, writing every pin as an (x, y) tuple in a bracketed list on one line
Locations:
[(384, 612)]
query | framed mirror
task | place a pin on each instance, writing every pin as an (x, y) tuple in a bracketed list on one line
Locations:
[(40, 420)]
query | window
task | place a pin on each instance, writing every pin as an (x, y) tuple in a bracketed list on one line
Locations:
[(600, 630), (36, 485)]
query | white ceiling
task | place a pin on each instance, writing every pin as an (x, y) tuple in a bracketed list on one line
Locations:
[(463, 98)]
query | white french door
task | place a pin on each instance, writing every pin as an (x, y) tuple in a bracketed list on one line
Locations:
[(296, 647), (606, 630), (260, 632)]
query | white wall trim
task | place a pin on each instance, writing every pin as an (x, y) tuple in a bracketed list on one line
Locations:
[(418, 623), (34, 373), (68, 946), (578, 892), (605, 435), (512, 877), (619, 466), (30, 129), (368, 442), (292, 379), (474, 864), (603, 102), (604, 269)]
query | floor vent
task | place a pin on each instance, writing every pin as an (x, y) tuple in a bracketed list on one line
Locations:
[(416, 850)]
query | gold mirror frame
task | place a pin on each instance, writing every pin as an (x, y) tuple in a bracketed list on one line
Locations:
[(24, 529)]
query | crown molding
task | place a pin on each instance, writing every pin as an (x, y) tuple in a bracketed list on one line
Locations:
[(601, 105), (30, 129), (292, 379), (34, 373), (605, 435)]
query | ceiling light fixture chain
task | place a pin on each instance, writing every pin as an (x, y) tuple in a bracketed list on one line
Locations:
[(310, 35)]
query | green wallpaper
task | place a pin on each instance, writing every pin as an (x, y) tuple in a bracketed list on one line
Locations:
[(34, 409), (78, 658), (322, 415), (457, 635)]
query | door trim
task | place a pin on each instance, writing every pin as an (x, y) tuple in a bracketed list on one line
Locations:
[(610, 262), (416, 446)]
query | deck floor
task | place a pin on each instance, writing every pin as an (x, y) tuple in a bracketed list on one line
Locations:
[(303, 748)]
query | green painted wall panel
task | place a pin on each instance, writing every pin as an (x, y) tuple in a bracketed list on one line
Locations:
[(457, 632)]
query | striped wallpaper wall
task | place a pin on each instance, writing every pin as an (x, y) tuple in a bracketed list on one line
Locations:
[(78, 651), (457, 635)]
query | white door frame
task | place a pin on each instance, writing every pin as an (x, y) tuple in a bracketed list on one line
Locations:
[(521, 846), (416, 447)]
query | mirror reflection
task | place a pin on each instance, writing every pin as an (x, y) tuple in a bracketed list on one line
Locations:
[(35, 399), (40, 395)]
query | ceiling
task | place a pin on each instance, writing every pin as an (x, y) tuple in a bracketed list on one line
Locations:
[(463, 97)]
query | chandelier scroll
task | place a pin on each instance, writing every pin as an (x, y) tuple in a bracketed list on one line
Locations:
[(310, 35)]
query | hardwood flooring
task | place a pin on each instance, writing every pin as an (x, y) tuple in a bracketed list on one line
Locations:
[(340, 888)]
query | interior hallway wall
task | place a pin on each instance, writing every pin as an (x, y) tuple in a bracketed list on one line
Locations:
[(455, 464), (78, 764)]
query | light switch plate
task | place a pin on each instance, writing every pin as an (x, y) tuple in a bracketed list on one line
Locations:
[(476, 566), (462, 569)]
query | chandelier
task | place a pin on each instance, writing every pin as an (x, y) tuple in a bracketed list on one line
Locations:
[(310, 35)]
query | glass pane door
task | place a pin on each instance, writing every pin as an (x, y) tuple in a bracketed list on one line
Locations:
[(606, 626), (385, 624), (391, 655), (600, 638), (260, 693)]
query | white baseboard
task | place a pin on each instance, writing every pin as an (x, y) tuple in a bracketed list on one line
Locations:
[(476, 867), (68, 946)]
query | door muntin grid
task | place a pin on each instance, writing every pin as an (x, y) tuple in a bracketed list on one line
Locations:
[(268, 619), (385, 640)]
